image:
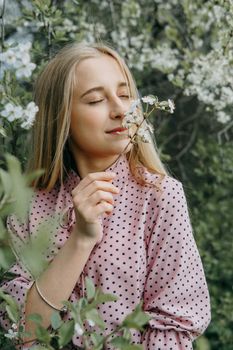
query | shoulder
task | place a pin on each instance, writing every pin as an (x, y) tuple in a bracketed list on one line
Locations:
[(164, 186), (171, 186)]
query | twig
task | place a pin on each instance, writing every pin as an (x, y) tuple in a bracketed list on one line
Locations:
[(182, 170), (172, 136), (224, 131), (201, 107), (113, 14), (49, 39), (189, 144), (117, 330), (2, 12)]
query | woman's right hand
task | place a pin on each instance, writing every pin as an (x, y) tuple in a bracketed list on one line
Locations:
[(93, 197)]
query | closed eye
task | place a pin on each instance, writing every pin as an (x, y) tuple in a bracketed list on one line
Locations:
[(125, 96), (94, 102)]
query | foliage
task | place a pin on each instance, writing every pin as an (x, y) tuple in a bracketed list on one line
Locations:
[(178, 49)]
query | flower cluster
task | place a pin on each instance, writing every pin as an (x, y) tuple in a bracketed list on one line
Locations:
[(17, 58), (136, 121), (26, 116), (211, 80), (12, 332)]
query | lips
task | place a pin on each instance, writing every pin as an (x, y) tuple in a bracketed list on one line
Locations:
[(120, 129)]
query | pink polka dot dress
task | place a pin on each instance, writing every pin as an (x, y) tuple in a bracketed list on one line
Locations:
[(147, 253)]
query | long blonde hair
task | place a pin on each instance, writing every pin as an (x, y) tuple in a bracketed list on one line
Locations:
[(53, 95)]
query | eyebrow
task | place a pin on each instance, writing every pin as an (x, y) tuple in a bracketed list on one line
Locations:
[(101, 88)]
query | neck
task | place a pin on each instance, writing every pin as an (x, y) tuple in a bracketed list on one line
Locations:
[(89, 165)]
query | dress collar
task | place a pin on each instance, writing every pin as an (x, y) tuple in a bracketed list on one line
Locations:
[(120, 167)]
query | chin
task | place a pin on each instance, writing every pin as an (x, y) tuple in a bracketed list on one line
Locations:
[(123, 149)]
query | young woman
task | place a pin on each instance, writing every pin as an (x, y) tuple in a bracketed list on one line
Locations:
[(125, 224)]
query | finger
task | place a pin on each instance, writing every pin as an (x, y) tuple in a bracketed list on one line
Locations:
[(103, 208), (87, 206), (92, 214), (98, 197), (100, 176), (96, 186)]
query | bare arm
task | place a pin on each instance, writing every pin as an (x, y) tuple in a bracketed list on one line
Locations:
[(91, 198)]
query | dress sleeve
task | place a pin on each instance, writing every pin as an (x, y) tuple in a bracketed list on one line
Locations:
[(22, 282), (176, 294)]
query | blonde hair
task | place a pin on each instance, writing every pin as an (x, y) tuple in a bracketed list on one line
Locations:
[(53, 95)]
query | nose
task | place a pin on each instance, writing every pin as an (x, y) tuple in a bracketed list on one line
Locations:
[(118, 109)]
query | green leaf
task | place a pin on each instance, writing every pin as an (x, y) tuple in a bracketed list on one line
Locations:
[(32, 254), (95, 317), (119, 342), (104, 298), (65, 333), (202, 343), (137, 319), (132, 347), (36, 318), (21, 193), (101, 297), (9, 300), (12, 313), (3, 131), (126, 333), (6, 182), (33, 175), (90, 288), (96, 338), (56, 320), (6, 257), (42, 334), (3, 230)]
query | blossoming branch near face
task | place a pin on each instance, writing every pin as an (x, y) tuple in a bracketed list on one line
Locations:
[(136, 121)]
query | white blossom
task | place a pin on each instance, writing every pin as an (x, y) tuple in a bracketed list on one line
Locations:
[(12, 333), (132, 116), (135, 117), (25, 70), (91, 323), (222, 117), (69, 26), (17, 58), (78, 329), (12, 112), (211, 80), (14, 326), (134, 106), (29, 115), (165, 58), (171, 106), (143, 133), (149, 99)]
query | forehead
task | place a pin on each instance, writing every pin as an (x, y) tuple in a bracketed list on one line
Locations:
[(101, 70)]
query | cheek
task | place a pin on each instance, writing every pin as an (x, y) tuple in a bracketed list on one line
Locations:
[(88, 118), (83, 126)]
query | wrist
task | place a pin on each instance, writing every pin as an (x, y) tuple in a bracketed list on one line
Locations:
[(81, 241)]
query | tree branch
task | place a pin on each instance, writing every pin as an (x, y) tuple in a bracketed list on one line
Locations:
[(189, 144), (224, 131)]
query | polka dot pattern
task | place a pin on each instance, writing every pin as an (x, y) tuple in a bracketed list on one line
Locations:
[(147, 253)]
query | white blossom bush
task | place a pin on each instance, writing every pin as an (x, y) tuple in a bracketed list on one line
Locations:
[(26, 116), (17, 58)]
